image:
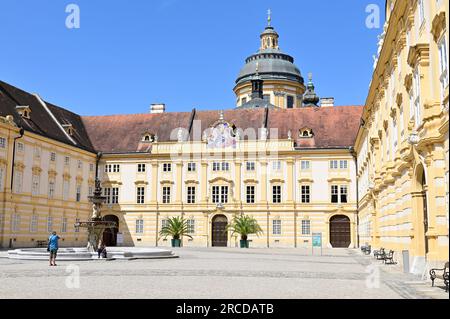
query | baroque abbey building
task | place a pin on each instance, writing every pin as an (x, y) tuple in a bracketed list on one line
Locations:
[(375, 174)]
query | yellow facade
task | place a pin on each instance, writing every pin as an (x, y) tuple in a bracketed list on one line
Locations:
[(402, 145), (28, 211)]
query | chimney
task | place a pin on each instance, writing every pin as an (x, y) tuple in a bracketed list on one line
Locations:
[(327, 102), (157, 108)]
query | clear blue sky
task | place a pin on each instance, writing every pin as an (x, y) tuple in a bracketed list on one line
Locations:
[(128, 54)]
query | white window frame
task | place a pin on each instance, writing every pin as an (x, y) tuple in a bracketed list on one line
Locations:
[(250, 166), (166, 194), (2, 142), (141, 167), (140, 195), (35, 184), (139, 226), (276, 227), (191, 194), (190, 226), (306, 227), (250, 194), (276, 194), (305, 165)]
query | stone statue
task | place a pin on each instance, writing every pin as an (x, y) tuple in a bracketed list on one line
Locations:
[(264, 134), (96, 211)]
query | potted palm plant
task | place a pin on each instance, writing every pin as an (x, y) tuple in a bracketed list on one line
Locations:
[(176, 227), (244, 226)]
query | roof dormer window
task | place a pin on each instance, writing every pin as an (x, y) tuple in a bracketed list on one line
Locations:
[(148, 138), (306, 132), (24, 111), (68, 128)]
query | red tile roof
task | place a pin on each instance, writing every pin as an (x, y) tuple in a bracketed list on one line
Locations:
[(333, 127)]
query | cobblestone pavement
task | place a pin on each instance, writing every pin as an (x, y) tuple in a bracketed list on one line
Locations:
[(217, 273)]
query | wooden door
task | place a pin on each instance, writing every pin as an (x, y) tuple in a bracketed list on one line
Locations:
[(219, 231), (340, 236)]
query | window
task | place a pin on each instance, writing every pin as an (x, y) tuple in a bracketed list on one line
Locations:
[(224, 194), (343, 164), (339, 194), (334, 164), (112, 168), (15, 222), (276, 227), (139, 226), (167, 167), (266, 97), (343, 194), (18, 181), (64, 225), (191, 167), (191, 195), (79, 164), (51, 189), (66, 160), (20, 147), (417, 111), (91, 167), (141, 168), (305, 193), (111, 194), (250, 194), (66, 186), (305, 165), (2, 142), (2, 173), (276, 166), (215, 194), (166, 195), (290, 102), (164, 223), (334, 193), (52, 157), (90, 191), (443, 65), (250, 166), (244, 100), (190, 226), (78, 195), (49, 224), (220, 194), (306, 227), (34, 224), (276, 194), (35, 185), (225, 166), (140, 195)]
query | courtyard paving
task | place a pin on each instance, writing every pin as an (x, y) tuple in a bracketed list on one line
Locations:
[(216, 273)]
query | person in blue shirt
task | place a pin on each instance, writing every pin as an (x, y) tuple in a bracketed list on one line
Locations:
[(53, 247)]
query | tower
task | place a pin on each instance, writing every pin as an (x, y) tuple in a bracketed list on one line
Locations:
[(281, 80)]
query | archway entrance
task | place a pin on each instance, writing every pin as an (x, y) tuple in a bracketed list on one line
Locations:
[(219, 231), (340, 236), (110, 234)]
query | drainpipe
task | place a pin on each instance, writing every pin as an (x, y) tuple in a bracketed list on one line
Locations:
[(21, 132), (355, 157)]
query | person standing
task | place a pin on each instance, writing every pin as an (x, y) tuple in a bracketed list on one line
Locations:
[(53, 247)]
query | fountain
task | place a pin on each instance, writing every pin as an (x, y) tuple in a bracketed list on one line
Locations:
[(96, 225)]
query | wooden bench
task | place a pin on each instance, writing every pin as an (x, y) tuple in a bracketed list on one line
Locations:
[(442, 273), (389, 258), (41, 243)]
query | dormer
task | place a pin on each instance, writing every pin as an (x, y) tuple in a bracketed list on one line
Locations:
[(24, 111), (68, 128), (148, 138), (306, 133)]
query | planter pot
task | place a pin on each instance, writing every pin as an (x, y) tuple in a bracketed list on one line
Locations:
[(176, 242), (244, 243)]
